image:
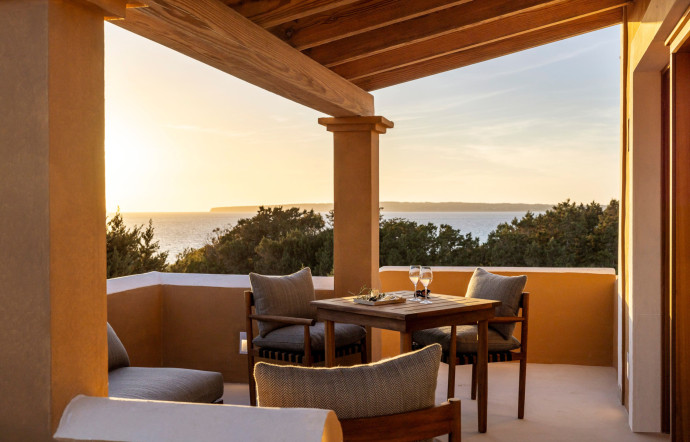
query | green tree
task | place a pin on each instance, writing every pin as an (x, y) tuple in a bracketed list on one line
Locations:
[(569, 235), (132, 251), (605, 237), (455, 249), (402, 242), (274, 241)]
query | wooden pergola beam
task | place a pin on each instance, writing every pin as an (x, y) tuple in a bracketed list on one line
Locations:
[(273, 13), (111, 8), (354, 19), (421, 28), (493, 50), (487, 33), (211, 32)]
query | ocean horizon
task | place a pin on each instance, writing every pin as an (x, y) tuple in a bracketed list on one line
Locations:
[(177, 231)]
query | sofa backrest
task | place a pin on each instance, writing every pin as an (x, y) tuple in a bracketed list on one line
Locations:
[(117, 355)]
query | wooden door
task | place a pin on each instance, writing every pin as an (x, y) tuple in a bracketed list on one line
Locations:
[(679, 310), (665, 251)]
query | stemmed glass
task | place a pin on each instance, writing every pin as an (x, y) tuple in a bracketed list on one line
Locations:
[(426, 276), (414, 277)]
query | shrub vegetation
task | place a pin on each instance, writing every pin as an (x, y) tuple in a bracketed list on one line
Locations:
[(274, 241), (281, 241), (132, 251)]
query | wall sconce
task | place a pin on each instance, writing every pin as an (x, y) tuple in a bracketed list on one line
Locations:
[(243, 343)]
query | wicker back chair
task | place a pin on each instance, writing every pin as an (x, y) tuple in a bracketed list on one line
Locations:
[(389, 400)]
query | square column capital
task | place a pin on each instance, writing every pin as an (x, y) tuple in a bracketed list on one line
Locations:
[(356, 124)]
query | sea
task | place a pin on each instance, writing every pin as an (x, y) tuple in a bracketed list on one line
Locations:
[(178, 231)]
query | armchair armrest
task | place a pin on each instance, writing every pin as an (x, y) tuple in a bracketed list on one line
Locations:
[(284, 319), (505, 319)]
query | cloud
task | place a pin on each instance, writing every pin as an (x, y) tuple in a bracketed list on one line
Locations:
[(418, 109), (531, 65)]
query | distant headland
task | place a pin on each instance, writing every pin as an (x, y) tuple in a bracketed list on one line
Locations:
[(397, 206)]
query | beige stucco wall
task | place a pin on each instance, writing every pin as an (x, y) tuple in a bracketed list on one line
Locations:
[(187, 321), (198, 318), (201, 327), (25, 277), (52, 206), (136, 315), (571, 310), (649, 24)]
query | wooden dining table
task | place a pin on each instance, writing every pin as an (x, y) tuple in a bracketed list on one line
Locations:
[(408, 317)]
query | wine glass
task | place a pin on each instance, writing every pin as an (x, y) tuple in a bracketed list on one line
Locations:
[(414, 277), (426, 276)]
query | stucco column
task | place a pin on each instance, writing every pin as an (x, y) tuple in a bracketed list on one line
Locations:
[(52, 213), (356, 198)]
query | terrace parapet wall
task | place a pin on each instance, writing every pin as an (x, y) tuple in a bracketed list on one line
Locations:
[(186, 320), (195, 320), (572, 315)]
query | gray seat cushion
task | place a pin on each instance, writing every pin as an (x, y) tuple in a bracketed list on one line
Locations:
[(289, 295), (291, 338), (397, 385), (507, 289), (466, 339), (165, 384), (117, 355)]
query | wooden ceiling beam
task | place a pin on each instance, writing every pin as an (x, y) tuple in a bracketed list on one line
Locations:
[(474, 37), (354, 19), (111, 8), (269, 13), (215, 34), (490, 51), (421, 28)]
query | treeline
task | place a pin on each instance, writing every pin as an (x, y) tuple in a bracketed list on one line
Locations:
[(275, 241), (281, 241)]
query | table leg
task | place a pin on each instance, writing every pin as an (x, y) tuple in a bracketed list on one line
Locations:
[(482, 374), (451, 361), (405, 342), (330, 343), (370, 339)]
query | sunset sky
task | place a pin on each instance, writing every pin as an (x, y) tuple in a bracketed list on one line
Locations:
[(539, 126)]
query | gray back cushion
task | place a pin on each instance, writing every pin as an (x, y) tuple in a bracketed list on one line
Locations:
[(397, 385), (507, 289), (283, 296), (117, 355)]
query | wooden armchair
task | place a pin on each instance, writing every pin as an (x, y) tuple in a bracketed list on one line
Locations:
[(389, 400), (495, 354), (304, 354), (511, 355)]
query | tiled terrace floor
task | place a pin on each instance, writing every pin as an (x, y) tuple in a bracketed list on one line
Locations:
[(564, 403)]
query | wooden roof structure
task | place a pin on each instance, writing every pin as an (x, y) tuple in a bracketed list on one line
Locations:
[(326, 54)]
